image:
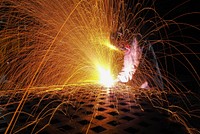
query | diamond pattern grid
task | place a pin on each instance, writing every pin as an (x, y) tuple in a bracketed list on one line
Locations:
[(124, 116)]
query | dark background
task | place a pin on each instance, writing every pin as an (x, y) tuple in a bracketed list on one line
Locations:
[(188, 12)]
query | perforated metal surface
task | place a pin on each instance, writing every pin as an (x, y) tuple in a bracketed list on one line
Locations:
[(89, 109)]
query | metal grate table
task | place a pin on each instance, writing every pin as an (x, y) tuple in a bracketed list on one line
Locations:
[(88, 109)]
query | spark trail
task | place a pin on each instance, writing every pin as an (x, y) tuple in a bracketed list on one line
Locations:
[(48, 45)]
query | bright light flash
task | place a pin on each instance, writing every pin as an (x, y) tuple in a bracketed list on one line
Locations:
[(111, 46), (106, 78)]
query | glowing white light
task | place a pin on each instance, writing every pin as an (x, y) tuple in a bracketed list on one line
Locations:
[(106, 78)]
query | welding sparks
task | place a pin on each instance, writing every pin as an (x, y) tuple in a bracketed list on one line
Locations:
[(69, 43)]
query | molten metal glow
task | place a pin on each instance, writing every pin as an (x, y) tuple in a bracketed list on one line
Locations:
[(106, 78)]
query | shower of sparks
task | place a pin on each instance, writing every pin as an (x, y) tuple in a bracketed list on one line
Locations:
[(57, 47), (58, 43)]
